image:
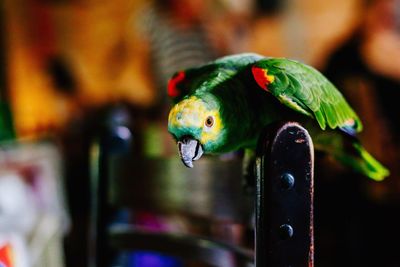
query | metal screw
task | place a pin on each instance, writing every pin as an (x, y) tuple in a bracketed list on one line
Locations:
[(285, 231), (287, 181)]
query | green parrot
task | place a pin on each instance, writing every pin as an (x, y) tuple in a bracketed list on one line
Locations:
[(224, 105)]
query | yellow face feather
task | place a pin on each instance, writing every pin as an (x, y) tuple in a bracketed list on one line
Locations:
[(192, 113)]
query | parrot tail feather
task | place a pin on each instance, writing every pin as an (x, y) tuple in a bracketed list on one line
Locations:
[(364, 163)]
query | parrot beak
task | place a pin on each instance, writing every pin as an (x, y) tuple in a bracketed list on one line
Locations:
[(189, 150)]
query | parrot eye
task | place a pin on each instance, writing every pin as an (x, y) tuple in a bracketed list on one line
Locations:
[(209, 121)]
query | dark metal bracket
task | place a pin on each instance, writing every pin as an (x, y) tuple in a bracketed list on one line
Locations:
[(284, 197)]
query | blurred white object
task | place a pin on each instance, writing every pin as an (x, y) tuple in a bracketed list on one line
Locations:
[(18, 211), (33, 217), (18, 215)]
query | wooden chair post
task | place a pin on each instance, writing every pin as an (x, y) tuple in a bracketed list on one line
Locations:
[(284, 197)]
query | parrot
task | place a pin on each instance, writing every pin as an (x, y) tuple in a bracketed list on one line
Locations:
[(223, 106)]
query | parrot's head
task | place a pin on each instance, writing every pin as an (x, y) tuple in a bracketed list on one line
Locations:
[(196, 124)]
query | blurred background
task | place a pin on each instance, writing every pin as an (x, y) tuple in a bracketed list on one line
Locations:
[(71, 68)]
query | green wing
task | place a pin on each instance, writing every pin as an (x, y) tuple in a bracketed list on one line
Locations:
[(307, 91)]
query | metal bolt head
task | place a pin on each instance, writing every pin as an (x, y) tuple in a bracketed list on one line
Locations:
[(287, 181), (285, 231)]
